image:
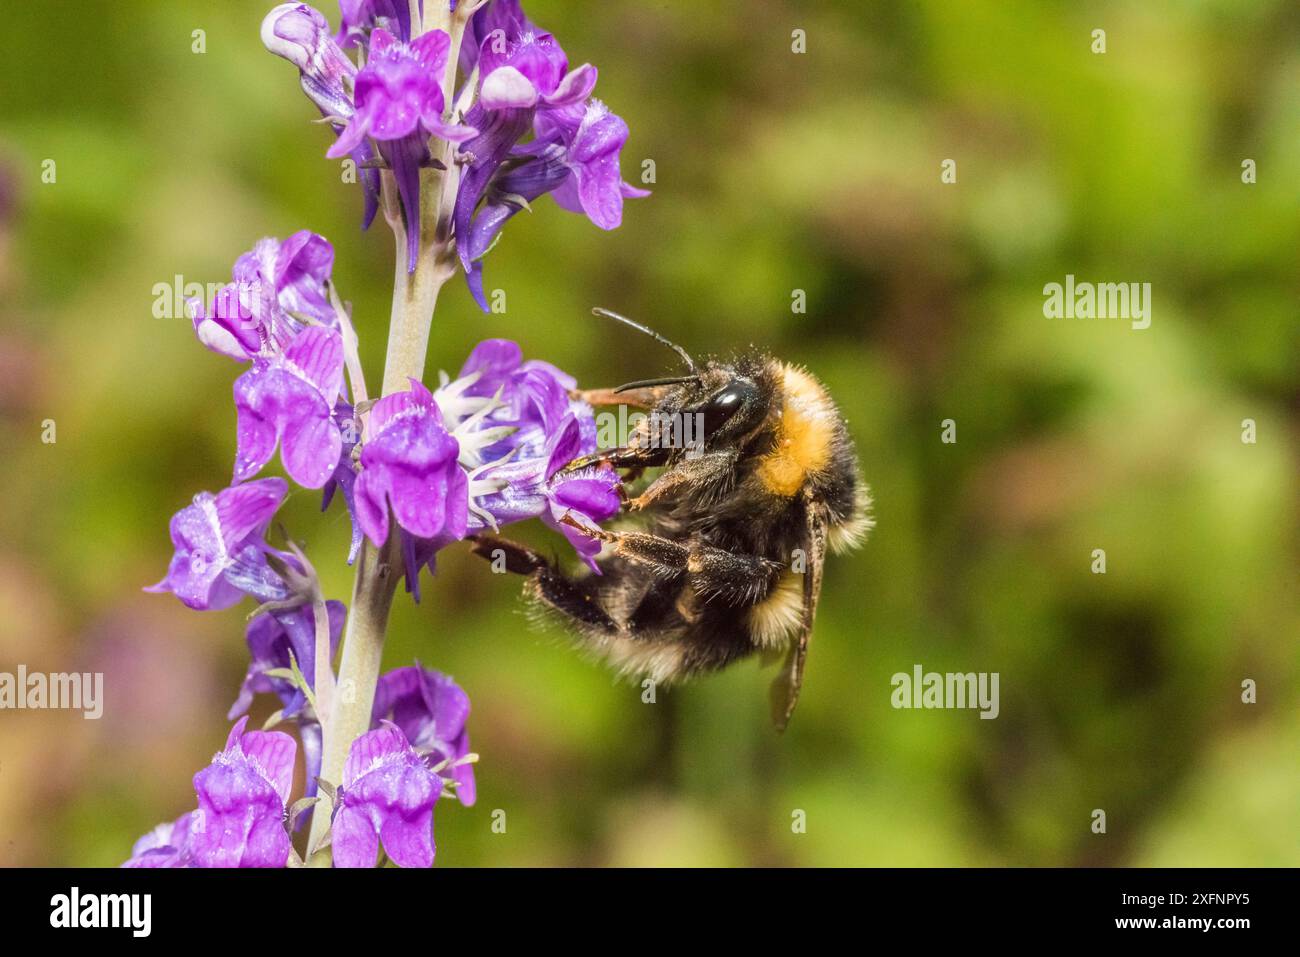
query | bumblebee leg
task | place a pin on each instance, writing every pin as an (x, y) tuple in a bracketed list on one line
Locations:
[(573, 598), (734, 577), (628, 457), (715, 572), (704, 470), (519, 559), (649, 640)]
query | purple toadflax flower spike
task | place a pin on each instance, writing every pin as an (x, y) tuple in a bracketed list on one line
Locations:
[(387, 796), (243, 794), (432, 712), (301, 35), (220, 555), (399, 104), (289, 399)]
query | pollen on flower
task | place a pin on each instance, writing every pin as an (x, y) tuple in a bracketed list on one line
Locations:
[(488, 448)]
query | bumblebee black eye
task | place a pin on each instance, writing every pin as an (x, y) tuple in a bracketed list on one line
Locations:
[(723, 405)]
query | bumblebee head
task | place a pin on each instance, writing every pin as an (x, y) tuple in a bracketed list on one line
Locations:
[(730, 401)]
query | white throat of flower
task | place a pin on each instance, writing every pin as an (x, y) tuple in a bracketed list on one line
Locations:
[(464, 415)]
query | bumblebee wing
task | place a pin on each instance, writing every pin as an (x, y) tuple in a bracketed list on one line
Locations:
[(785, 689)]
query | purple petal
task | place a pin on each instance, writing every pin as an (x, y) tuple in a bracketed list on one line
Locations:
[(240, 820), (493, 358), (599, 190), (352, 138), (316, 355), (388, 791), (574, 88), (431, 51), (595, 498), (301, 35), (410, 462), (167, 845), (210, 537), (409, 841), (273, 753), (246, 510), (229, 327), (290, 399), (302, 267), (355, 840)]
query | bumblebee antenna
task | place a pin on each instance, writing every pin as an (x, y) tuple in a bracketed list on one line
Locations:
[(647, 383), (690, 363)]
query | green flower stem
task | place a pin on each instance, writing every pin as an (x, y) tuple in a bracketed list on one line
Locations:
[(378, 569)]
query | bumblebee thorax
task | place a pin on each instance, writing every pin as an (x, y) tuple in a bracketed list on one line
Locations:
[(803, 433)]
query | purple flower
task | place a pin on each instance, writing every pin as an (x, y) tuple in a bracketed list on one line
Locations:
[(359, 17), (167, 845), (432, 711), (547, 430), (528, 71), (271, 638), (575, 157), (301, 35), (592, 138), (387, 797), (344, 479), (575, 150), (409, 462), (274, 282), (243, 794), (292, 274), (288, 399), (399, 103), (498, 22), (229, 326), (220, 555), (515, 427)]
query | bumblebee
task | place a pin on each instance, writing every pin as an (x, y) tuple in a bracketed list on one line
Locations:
[(759, 480)]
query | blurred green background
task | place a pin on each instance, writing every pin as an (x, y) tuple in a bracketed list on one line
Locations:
[(776, 171)]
